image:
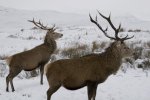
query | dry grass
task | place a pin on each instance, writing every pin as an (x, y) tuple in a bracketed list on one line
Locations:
[(98, 46), (138, 53), (146, 65), (134, 30), (76, 51), (33, 73), (137, 30), (3, 57), (148, 44), (95, 46)]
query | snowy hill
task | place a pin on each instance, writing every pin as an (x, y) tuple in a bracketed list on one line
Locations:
[(17, 19), (131, 22), (12, 18)]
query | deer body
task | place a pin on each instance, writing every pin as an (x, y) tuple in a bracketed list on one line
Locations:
[(34, 58), (85, 71), (89, 70), (76, 73)]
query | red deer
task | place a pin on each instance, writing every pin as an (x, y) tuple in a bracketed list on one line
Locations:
[(34, 58), (89, 70)]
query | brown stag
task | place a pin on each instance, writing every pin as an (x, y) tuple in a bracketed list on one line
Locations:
[(89, 70), (34, 58)]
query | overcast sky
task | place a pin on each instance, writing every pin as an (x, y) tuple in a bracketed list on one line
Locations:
[(139, 8)]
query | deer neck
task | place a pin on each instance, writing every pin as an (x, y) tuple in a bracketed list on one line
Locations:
[(113, 52), (114, 59), (51, 44)]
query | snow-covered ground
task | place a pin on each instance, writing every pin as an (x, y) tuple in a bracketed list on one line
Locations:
[(132, 85)]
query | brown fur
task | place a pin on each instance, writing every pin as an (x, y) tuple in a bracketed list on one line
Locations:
[(32, 59), (87, 71)]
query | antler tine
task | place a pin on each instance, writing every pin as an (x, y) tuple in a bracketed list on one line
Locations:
[(119, 27), (111, 24), (104, 31), (33, 21), (117, 30), (41, 24), (37, 24), (53, 26), (108, 19), (126, 38)]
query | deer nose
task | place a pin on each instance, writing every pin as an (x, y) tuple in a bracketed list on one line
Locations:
[(134, 53), (61, 35)]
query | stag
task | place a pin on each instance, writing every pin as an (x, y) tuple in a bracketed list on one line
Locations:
[(89, 70), (34, 58)]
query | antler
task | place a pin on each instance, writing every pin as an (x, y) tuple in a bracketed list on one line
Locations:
[(41, 26), (117, 38), (104, 31)]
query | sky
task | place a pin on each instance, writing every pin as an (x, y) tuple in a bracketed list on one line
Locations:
[(139, 8)]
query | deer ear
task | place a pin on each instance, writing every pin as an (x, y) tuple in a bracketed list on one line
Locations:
[(50, 30), (118, 43)]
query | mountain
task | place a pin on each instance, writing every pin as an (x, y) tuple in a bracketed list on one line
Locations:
[(11, 18), (131, 22)]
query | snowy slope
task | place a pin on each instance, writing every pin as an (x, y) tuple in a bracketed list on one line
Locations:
[(12, 18), (17, 19), (131, 22)]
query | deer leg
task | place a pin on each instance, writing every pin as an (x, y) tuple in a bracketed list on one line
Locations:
[(52, 90), (41, 72), (11, 83), (7, 83), (91, 87), (94, 91), (10, 77)]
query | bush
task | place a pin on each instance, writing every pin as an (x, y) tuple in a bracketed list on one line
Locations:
[(146, 53), (148, 44), (135, 30), (129, 60), (146, 64), (34, 28), (31, 38), (3, 69), (137, 53), (3, 57), (76, 51), (33, 73), (97, 47)]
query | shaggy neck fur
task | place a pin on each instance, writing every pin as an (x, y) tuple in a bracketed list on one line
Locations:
[(51, 43), (114, 53)]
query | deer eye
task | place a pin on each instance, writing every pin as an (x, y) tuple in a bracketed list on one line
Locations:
[(126, 48)]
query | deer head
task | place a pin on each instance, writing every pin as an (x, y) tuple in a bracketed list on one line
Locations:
[(119, 44), (51, 34)]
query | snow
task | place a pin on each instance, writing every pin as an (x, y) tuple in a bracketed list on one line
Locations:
[(132, 85)]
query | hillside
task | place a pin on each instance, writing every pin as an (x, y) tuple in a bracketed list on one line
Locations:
[(17, 19)]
